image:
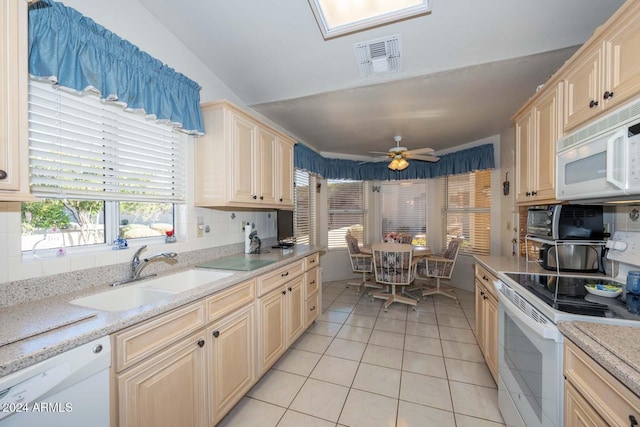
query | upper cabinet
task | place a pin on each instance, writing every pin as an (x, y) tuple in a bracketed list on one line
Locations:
[(241, 162), (537, 129), (14, 150), (606, 71)]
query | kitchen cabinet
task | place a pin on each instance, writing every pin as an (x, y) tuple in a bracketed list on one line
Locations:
[(313, 289), (282, 321), (241, 162), (486, 304), (606, 71), (14, 134), (537, 130), (593, 397), (166, 390)]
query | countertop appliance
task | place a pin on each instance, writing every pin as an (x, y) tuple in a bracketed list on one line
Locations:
[(70, 389), (570, 257), (566, 222), (530, 381), (601, 162)]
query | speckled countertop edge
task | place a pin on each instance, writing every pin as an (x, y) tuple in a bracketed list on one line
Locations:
[(23, 353), (625, 373)]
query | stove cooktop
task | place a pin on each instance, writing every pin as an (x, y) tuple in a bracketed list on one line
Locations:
[(568, 295)]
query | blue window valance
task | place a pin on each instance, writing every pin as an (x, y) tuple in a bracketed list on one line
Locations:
[(75, 52), (463, 161)]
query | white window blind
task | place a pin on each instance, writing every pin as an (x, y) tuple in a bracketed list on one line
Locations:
[(403, 208), (347, 211), (304, 207), (467, 210), (82, 148)]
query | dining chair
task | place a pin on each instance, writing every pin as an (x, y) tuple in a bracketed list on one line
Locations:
[(360, 263), (404, 238), (394, 265), (440, 267)]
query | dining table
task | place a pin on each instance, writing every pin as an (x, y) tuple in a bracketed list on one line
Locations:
[(419, 251)]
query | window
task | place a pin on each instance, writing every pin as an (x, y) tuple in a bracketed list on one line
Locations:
[(403, 209), (347, 211), (304, 207), (467, 210), (101, 171)]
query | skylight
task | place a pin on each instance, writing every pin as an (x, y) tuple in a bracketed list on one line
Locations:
[(339, 17)]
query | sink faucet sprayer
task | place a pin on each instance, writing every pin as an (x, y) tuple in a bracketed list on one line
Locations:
[(138, 264)]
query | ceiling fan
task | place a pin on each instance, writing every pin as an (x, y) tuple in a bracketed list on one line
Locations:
[(399, 155)]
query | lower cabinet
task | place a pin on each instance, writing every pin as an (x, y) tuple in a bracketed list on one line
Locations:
[(487, 319), (594, 397), (230, 360), (166, 390), (190, 366), (282, 320)]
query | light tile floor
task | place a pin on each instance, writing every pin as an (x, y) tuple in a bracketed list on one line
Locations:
[(358, 365)]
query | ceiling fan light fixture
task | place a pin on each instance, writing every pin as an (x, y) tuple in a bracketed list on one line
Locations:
[(402, 164), (393, 165)]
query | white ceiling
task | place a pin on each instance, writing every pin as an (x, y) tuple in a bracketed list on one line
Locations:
[(467, 67)]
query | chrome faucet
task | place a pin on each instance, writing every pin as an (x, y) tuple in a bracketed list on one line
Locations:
[(136, 265)]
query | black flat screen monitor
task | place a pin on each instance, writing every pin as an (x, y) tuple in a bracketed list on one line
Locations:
[(285, 225)]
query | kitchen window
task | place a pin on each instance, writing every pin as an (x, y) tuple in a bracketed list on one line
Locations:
[(102, 172), (403, 209), (304, 218), (467, 210), (347, 211)]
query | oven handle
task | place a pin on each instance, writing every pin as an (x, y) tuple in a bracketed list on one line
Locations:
[(613, 145), (548, 331)]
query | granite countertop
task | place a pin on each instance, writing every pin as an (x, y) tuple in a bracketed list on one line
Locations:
[(76, 325), (615, 348)]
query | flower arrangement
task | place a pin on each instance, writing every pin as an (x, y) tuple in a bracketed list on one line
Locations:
[(391, 237)]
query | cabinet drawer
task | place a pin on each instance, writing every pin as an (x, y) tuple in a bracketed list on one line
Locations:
[(613, 401), (146, 339), (312, 281), (312, 261), (312, 305), (230, 299), (280, 276), (486, 278)]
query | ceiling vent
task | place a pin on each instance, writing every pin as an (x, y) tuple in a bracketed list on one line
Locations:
[(379, 56)]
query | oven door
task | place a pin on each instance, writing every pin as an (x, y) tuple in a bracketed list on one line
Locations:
[(530, 389)]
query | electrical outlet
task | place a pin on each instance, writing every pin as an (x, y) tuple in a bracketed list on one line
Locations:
[(243, 225), (199, 230)]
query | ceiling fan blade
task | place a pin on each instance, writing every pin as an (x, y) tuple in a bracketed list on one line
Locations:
[(425, 158), (421, 151), (379, 152)]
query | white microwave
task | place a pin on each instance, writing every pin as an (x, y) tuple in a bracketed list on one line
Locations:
[(601, 162)]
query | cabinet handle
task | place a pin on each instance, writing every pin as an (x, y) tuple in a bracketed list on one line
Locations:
[(313, 282), (254, 197), (284, 292), (285, 274), (201, 343), (290, 289), (261, 197), (216, 333), (527, 193), (533, 193), (314, 307), (607, 95), (485, 278), (632, 421), (280, 198), (3, 174), (593, 104)]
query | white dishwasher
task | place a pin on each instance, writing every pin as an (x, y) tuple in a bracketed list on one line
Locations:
[(67, 390)]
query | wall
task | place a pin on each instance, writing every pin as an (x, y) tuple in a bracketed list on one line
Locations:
[(131, 21)]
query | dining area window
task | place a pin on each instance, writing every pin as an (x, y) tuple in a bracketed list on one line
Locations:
[(403, 209), (347, 210)]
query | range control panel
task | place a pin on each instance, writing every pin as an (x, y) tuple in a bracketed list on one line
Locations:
[(624, 247)]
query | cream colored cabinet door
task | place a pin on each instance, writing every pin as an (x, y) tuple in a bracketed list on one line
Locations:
[(284, 173), (296, 313), (272, 336), (582, 89), (491, 336), (266, 185), (546, 132), (577, 411), (245, 166), (623, 62), (167, 390), (231, 360), (480, 315), (524, 151), (14, 181)]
